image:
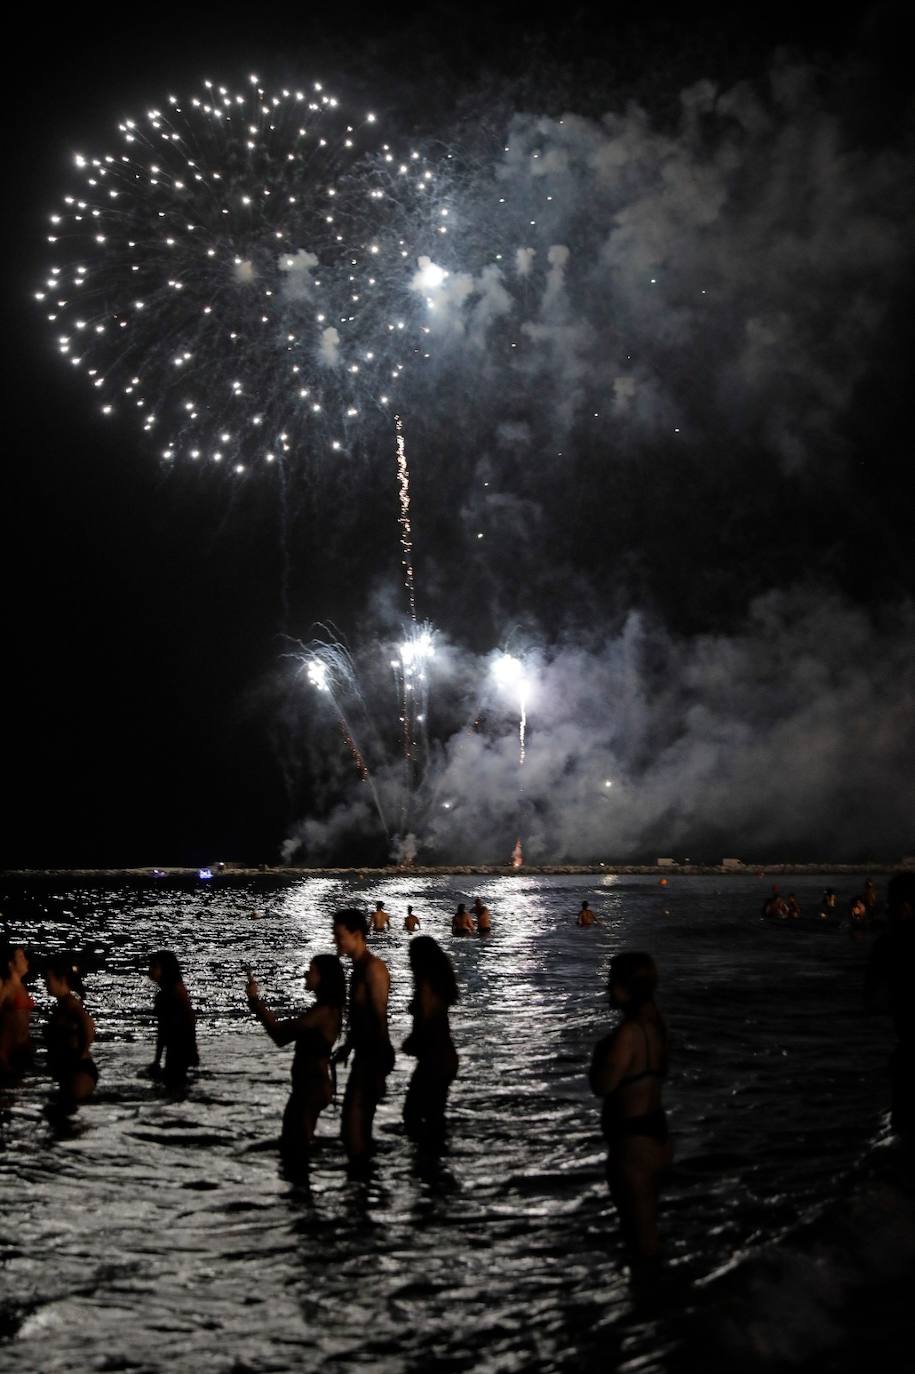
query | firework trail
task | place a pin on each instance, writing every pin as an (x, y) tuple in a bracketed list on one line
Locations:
[(238, 274), (403, 520), (329, 669), (510, 675)]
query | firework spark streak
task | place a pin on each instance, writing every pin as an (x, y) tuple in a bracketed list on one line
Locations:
[(406, 528), (329, 669), (238, 273), (510, 675)]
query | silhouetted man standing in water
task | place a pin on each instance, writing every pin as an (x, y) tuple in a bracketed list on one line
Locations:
[(367, 1035), (891, 987)]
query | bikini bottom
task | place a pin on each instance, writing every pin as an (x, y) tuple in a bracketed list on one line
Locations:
[(652, 1125)]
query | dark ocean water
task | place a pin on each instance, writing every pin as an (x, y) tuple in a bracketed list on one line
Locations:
[(159, 1233)]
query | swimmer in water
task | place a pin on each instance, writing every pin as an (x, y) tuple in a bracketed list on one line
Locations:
[(484, 917), (586, 915), (367, 1036), (434, 992), (461, 923), (857, 911), (69, 1034), (176, 1024), (314, 1033), (793, 906), (627, 1070), (411, 921), (16, 1007), (380, 919), (828, 903)]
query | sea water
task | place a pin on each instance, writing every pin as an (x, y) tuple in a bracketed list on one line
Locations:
[(155, 1232)]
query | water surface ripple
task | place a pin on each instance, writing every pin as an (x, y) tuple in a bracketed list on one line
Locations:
[(162, 1233)]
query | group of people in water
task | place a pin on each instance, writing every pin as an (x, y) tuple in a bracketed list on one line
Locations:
[(627, 1071), (862, 908)]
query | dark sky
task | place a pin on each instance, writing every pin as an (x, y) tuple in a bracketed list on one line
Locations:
[(146, 717)]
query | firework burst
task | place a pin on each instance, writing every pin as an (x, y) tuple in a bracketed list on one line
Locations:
[(239, 273)]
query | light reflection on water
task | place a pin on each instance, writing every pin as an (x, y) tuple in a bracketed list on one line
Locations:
[(161, 1232)]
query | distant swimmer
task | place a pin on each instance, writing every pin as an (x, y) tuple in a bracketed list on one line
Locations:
[(69, 1035), (484, 917), (857, 911), (434, 992), (176, 1028), (586, 916), (314, 1033), (461, 923), (627, 1070), (828, 903), (380, 918), (411, 921), (775, 907), (16, 1007), (793, 906), (367, 1036)]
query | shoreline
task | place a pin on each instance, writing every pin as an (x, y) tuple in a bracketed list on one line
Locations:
[(228, 873)]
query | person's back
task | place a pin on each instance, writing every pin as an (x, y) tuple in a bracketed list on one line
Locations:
[(586, 915), (461, 923), (176, 1023), (380, 918), (484, 917), (434, 992), (411, 921)]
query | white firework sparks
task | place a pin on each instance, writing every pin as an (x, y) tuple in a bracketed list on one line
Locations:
[(238, 273), (510, 674)]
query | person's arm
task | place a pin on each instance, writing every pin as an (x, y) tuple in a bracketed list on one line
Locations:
[(160, 1035), (612, 1057), (280, 1032), (377, 986), (88, 1030)]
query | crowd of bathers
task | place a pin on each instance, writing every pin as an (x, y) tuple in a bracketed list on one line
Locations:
[(863, 907), (627, 1070)]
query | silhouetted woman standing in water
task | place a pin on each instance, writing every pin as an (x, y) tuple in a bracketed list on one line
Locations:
[(434, 992), (627, 1071), (69, 1034), (176, 1028), (313, 1033)]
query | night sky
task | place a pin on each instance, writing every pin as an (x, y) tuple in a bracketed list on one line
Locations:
[(737, 601)]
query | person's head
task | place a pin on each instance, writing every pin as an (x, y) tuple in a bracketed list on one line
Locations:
[(461, 908), (477, 903), (409, 911), (430, 964), (14, 962), (900, 896), (632, 981), (325, 979), (379, 906), (350, 930), (164, 968), (584, 905), (62, 976)]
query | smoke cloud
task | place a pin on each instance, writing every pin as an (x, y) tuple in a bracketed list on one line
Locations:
[(657, 344)]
